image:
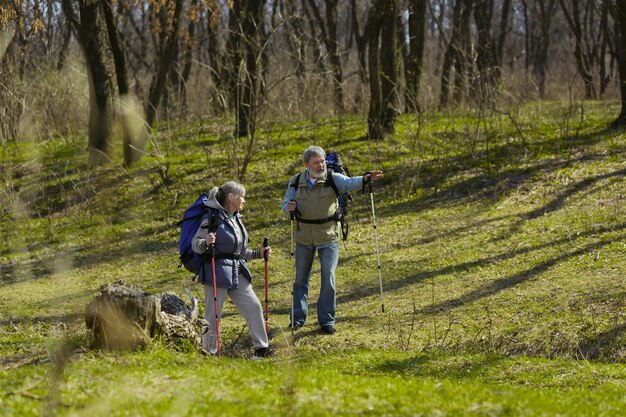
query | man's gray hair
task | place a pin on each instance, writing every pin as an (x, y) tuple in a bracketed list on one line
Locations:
[(312, 151)]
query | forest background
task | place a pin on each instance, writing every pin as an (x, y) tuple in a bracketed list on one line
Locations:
[(256, 61)]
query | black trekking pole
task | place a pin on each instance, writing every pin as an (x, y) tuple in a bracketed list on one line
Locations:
[(292, 215), (266, 241), (380, 277)]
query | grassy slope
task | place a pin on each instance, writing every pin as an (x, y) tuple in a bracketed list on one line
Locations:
[(502, 244)]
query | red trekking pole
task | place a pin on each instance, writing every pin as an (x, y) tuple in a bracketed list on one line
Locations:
[(217, 320), (266, 241)]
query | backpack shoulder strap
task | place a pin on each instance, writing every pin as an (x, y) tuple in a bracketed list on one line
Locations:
[(212, 220), (296, 182), (330, 181), (211, 214)]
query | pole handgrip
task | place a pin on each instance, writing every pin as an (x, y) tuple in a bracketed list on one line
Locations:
[(367, 182), (266, 243)]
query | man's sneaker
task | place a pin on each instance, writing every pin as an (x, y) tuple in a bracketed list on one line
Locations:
[(328, 329), (261, 353)]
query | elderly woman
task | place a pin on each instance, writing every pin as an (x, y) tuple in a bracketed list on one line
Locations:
[(225, 235)]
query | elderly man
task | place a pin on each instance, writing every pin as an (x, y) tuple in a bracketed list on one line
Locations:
[(315, 203)]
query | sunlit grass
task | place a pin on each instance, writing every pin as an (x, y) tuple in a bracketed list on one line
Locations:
[(502, 242)]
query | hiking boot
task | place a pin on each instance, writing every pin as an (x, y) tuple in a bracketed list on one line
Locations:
[(328, 329), (261, 353)]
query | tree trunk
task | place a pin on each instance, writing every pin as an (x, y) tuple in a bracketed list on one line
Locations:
[(295, 39), (607, 44), (486, 58), (132, 148), (165, 58), (233, 59), (216, 61), (538, 16), (63, 52), (266, 31), (125, 317), (452, 54), (376, 17), (333, 48), (361, 41), (463, 55), (582, 62), (94, 40), (619, 12), (331, 44), (541, 59), (248, 75), (414, 62), (504, 29), (389, 71), (187, 59)]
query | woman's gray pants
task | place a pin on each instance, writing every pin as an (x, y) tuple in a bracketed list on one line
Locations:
[(248, 305)]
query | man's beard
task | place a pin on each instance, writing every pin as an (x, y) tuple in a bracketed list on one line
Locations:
[(316, 174)]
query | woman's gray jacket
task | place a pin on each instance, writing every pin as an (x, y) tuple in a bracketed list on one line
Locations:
[(231, 247)]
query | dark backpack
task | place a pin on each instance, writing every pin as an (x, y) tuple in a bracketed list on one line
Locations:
[(334, 163), (189, 226)]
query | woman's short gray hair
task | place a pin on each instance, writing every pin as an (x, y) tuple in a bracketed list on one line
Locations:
[(229, 190), (312, 151)]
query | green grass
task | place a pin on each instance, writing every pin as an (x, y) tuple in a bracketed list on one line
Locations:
[(502, 242), (345, 382)]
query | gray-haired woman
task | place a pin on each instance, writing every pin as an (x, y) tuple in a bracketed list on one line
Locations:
[(229, 238)]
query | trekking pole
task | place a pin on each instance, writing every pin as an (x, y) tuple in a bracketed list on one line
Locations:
[(292, 215), (266, 241), (217, 320), (380, 277)]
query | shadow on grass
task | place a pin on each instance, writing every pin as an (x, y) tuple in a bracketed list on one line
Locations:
[(61, 318), (559, 201), (495, 286), (604, 344), (513, 280), (424, 365), (488, 185)]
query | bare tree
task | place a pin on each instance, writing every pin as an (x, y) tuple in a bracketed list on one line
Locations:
[(167, 18), (328, 27), (93, 37), (389, 70), (295, 40), (378, 13), (180, 72), (216, 56), (414, 60), (609, 28), (360, 40), (618, 9), (487, 61), (457, 55), (538, 16), (581, 17), (131, 148), (246, 15)]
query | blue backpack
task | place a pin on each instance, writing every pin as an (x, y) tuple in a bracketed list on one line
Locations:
[(189, 226), (335, 164)]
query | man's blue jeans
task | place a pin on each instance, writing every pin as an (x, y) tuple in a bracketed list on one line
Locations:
[(327, 302)]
